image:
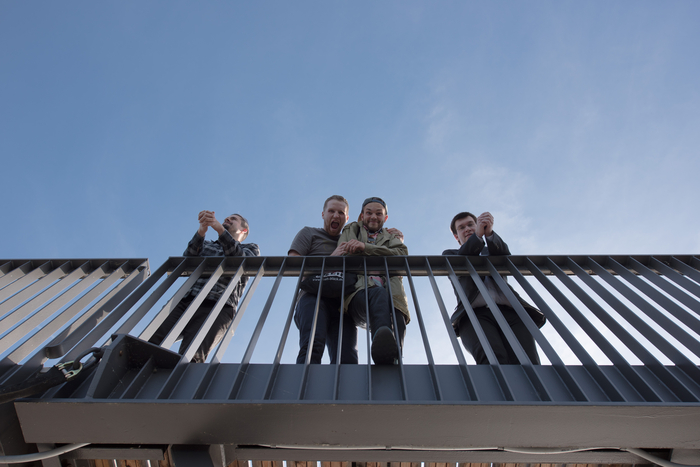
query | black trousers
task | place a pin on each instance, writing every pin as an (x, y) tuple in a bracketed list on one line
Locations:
[(213, 337), (496, 338), (379, 311), (327, 326)]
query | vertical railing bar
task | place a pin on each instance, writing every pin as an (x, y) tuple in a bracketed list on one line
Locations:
[(77, 331), (285, 333), (404, 392), (616, 328), (607, 386), (485, 344), (639, 324), (471, 390), (685, 269), (243, 366), (682, 315), (45, 304), (496, 312), (524, 360), (683, 282), (644, 390), (240, 311), (569, 382), (490, 355), (424, 334), (649, 360), (175, 331), (547, 348), (26, 279), (42, 290), (654, 278), (170, 305), (214, 313), (567, 378), (263, 314), (339, 349), (368, 333), (309, 349), (125, 306), (659, 318)]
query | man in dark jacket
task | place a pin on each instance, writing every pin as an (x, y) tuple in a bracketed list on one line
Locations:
[(468, 231), (231, 233)]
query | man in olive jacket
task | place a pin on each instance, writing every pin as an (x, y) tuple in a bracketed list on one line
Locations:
[(368, 237), (468, 230)]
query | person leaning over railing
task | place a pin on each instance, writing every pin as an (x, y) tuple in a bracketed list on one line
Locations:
[(468, 230), (368, 237), (312, 241), (231, 233)]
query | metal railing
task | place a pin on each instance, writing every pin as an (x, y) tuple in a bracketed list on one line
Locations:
[(622, 333)]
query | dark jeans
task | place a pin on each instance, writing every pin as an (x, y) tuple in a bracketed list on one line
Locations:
[(379, 311), (213, 337), (496, 338), (327, 327)]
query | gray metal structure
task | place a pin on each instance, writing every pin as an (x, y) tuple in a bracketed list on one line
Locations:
[(622, 373)]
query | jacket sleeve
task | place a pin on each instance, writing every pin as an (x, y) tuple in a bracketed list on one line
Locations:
[(472, 247), (497, 247), (393, 248), (250, 249), (231, 246), (194, 247), (346, 236)]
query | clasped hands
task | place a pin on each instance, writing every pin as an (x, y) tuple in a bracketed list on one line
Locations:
[(208, 219), (484, 225)]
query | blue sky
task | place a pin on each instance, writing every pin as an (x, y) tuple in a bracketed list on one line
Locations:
[(575, 123)]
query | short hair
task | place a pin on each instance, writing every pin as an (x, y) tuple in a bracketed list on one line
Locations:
[(459, 216), (337, 198), (244, 225)]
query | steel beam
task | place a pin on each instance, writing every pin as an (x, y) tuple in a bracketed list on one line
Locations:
[(430, 426)]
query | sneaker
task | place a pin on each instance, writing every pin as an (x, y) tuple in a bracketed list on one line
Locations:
[(384, 348)]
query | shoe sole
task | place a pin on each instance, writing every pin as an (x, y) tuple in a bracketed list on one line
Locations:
[(384, 348)]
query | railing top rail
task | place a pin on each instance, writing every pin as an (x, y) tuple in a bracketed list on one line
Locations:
[(417, 263)]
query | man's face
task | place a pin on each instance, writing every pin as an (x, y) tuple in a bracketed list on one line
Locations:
[(374, 216), (233, 224), (465, 228), (334, 217)]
